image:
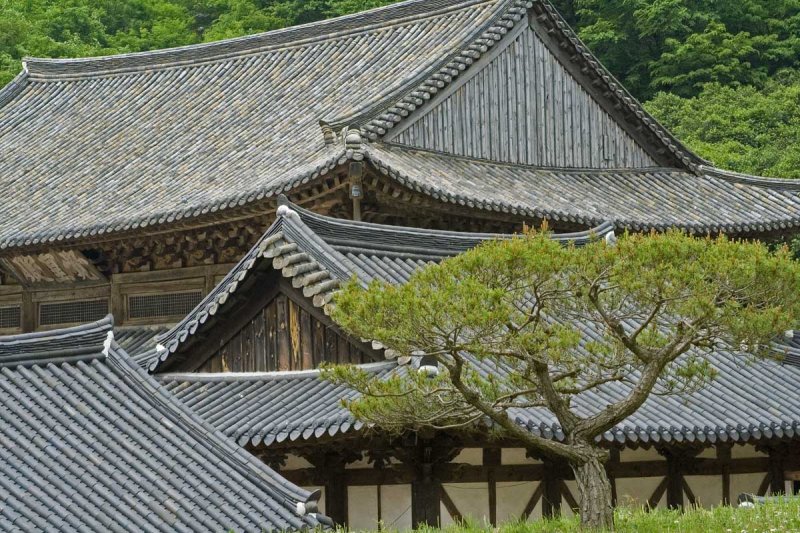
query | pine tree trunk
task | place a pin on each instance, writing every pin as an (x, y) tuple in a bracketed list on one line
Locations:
[(594, 489)]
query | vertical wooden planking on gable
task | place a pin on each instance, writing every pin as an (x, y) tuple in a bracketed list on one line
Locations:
[(284, 346), (271, 317), (306, 341), (260, 341), (523, 107), (343, 350), (318, 351), (331, 345), (294, 336)]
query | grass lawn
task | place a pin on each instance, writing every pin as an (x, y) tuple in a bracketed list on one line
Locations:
[(776, 517)]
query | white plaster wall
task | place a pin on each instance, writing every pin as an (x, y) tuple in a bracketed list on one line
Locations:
[(512, 497), (746, 450), (707, 489), (362, 512), (470, 456), (471, 500), (708, 453), (396, 507), (634, 492), (639, 454), (566, 510), (516, 456), (362, 508), (745, 483), (295, 462)]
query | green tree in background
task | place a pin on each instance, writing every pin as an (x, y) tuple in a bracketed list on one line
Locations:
[(739, 128)]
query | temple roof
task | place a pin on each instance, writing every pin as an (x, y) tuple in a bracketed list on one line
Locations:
[(90, 442), (319, 252), (634, 199), (748, 401), (101, 146)]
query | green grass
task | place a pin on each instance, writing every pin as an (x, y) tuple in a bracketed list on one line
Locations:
[(776, 517)]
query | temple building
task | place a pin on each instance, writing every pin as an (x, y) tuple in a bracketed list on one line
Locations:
[(212, 198)]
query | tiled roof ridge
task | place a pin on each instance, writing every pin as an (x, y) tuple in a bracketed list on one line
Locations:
[(373, 153), (378, 122), (201, 53), (309, 217), (529, 166), (780, 184), (79, 343), (279, 375)]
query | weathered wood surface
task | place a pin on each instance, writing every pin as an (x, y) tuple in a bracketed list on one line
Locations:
[(284, 336), (62, 266), (524, 107)]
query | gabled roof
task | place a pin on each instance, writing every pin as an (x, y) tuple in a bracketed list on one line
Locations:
[(748, 401), (90, 442), (318, 252), (103, 146)]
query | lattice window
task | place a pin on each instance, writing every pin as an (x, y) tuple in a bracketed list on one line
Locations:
[(72, 312), (163, 305), (10, 317)]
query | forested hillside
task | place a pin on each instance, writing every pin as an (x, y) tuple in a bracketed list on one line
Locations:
[(724, 75)]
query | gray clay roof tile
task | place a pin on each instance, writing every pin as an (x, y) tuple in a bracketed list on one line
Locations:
[(128, 456)]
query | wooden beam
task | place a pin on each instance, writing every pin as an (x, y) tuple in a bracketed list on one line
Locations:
[(551, 497), (425, 497), (764, 486), (534, 499), (777, 458), (491, 460), (658, 493), (724, 459), (571, 501), (674, 482), (455, 514), (689, 493)]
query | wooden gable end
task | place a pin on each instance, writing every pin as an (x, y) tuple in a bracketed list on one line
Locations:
[(287, 333), (521, 105)]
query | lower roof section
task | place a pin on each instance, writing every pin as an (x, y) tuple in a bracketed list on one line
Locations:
[(747, 402), (90, 442), (635, 199)]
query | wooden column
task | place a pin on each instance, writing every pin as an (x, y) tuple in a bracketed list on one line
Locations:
[(611, 466), (724, 458), (551, 493), (426, 495), (777, 458), (491, 459), (674, 482), (330, 473)]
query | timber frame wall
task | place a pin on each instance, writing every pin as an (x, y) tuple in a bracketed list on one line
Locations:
[(432, 469)]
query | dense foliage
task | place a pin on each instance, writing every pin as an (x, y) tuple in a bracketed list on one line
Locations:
[(715, 60)]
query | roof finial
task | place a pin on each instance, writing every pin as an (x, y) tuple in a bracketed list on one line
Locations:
[(352, 139), (327, 132), (107, 342)]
